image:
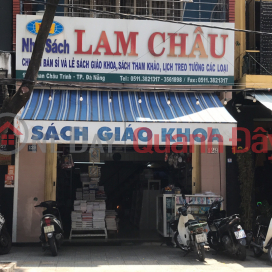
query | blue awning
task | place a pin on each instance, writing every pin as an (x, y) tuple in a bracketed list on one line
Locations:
[(65, 105), (264, 98)]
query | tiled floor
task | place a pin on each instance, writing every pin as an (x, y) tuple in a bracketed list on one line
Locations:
[(147, 257)]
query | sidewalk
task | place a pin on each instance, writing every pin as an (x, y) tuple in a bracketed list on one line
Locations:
[(146, 258)]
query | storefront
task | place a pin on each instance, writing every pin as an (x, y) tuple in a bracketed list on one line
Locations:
[(152, 118), (127, 164)]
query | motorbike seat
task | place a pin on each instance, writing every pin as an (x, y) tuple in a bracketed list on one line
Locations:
[(190, 222)]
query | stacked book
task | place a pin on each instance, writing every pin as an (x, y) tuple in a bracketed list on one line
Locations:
[(99, 208), (81, 219), (94, 183), (100, 194), (87, 220), (99, 219), (89, 207), (77, 205), (76, 219), (83, 206), (111, 220), (79, 193), (84, 177), (76, 216), (86, 193), (92, 195)]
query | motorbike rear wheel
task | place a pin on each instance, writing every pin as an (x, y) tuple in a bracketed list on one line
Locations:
[(53, 246), (201, 252), (241, 253), (5, 242)]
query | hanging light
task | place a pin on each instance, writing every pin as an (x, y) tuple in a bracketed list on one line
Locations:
[(225, 100), (81, 98), (168, 100), (110, 98), (139, 99), (254, 99), (50, 97), (197, 101)]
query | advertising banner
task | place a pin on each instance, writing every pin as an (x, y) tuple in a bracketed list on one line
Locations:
[(94, 50), (9, 181), (129, 133)]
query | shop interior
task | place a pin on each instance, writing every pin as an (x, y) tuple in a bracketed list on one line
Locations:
[(125, 186)]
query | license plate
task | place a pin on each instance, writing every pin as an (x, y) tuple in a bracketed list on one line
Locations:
[(201, 238), (240, 234), (48, 229)]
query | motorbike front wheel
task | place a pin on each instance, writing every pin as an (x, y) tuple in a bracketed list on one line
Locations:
[(241, 253), (53, 246), (211, 237), (256, 250), (270, 253), (178, 241), (5, 242), (201, 252)]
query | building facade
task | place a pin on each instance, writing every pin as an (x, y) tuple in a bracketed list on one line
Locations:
[(251, 105), (107, 76)]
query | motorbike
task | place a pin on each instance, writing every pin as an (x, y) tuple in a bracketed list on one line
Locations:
[(5, 239), (189, 233), (226, 234), (262, 237), (51, 227)]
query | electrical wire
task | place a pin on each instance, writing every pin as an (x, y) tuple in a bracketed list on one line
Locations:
[(153, 19)]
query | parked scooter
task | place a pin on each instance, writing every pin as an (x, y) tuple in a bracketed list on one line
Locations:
[(262, 237), (188, 233), (5, 239), (51, 227), (226, 234)]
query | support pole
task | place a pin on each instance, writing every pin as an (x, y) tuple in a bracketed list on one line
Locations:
[(50, 172), (196, 172)]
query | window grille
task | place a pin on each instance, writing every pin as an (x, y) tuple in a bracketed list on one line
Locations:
[(173, 10)]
